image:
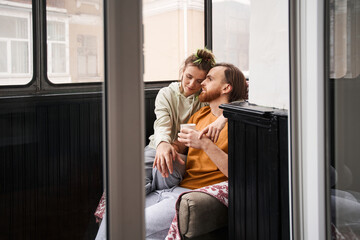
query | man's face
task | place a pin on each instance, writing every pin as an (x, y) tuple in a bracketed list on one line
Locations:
[(212, 85)]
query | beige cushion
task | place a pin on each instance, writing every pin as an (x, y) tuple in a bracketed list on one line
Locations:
[(200, 213)]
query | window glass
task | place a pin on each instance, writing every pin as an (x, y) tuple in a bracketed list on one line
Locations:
[(3, 57), (87, 55), (231, 21), (344, 115), (172, 30), (58, 58), (15, 43), (19, 57), (75, 46)]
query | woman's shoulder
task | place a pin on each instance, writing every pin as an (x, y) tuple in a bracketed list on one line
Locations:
[(169, 90), (167, 95)]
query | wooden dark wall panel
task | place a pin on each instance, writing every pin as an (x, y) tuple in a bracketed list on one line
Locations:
[(30, 168), (53, 173), (51, 160), (6, 190), (95, 167), (42, 207), (84, 137), (65, 163), (150, 116), (17, 171)]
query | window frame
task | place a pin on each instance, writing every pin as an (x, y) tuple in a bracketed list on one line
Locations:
[(208, 23), (307, 118), (40, 83)]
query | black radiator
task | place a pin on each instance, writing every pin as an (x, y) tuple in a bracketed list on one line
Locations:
[(258, 172)]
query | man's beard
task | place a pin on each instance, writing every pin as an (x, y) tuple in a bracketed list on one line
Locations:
[(208, 96)]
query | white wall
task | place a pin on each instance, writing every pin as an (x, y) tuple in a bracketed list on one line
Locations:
[(269, 54)]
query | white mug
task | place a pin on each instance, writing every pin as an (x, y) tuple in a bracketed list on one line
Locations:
[(188, 125)]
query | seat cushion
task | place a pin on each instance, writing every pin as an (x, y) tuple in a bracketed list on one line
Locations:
[(200, 213)]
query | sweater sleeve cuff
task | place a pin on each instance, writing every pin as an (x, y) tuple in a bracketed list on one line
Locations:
[(158, 141)]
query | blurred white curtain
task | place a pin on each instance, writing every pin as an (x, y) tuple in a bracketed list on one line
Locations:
[(345, 38)]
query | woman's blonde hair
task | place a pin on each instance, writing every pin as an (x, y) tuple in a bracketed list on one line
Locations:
[(203, 59)]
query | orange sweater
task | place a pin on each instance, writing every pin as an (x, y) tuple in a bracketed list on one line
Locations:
[(200, 170)]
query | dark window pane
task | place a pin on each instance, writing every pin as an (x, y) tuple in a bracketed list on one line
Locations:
[(344, 131)]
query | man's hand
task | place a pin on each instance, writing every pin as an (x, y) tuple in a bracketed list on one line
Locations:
[(212, 131), (165, 155), (191, 138)]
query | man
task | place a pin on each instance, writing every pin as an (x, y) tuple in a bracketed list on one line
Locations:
[(207, 162)]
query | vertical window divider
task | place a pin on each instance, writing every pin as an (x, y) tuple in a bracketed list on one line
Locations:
[(36, 44), (42, 47), (329, 116), (208, 24)]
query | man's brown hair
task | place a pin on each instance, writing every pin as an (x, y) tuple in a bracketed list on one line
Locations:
[(236, 79)]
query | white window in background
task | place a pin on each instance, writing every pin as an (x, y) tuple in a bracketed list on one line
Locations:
[(87, 56), (345, 39), (95, 3), (231, 22), (57, 51), (15, 43)]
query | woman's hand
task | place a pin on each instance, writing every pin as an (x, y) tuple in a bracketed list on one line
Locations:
[(213, 130), (165, 155)]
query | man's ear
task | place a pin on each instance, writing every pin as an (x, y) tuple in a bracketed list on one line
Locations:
[(227, 89)]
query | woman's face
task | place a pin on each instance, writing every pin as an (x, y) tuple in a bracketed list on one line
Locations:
[(191, 80)]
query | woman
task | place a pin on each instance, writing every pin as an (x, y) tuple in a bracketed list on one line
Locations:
[(174, 105)]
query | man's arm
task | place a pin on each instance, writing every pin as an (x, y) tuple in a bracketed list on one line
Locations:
[(190, 138)]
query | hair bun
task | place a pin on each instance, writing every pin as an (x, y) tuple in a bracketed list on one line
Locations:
[(205, 54), (204, 59)]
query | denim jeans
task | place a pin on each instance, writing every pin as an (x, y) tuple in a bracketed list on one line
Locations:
[(153, 178)]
